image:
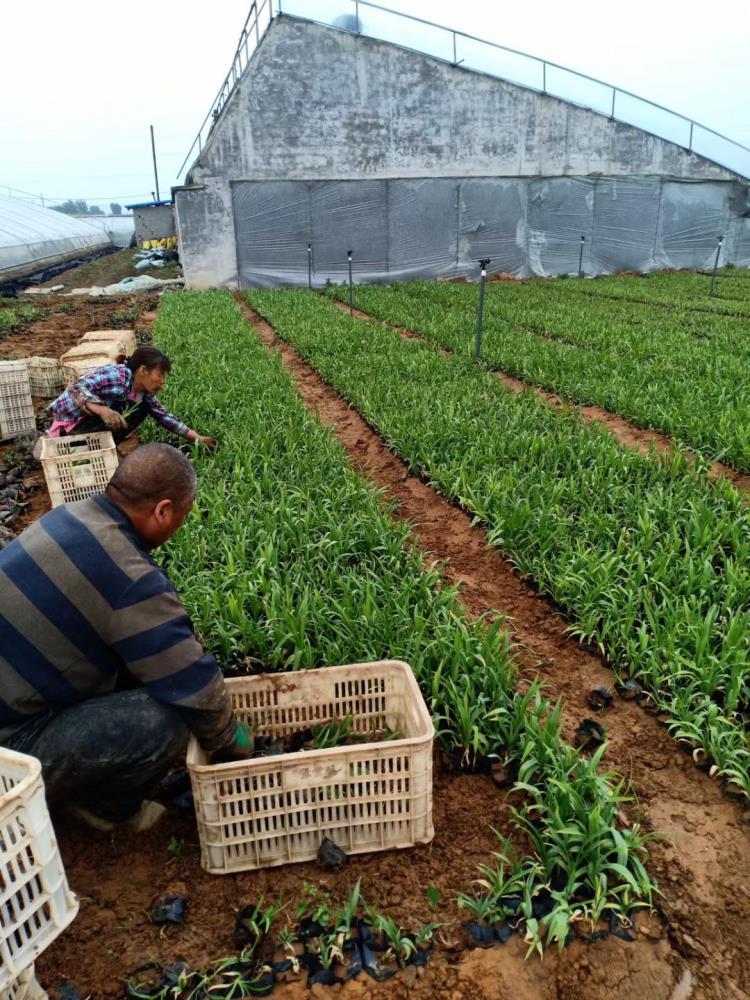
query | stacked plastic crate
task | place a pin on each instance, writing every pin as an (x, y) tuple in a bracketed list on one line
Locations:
[(16, 406), (36, 904)]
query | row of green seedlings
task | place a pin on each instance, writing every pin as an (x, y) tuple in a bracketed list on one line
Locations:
[(325, 944), (677, 290), (683, 375), (651, 561), (290, 560)]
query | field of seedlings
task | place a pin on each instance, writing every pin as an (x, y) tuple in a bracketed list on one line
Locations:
[(580, 722), (649, 561), (614, 342)]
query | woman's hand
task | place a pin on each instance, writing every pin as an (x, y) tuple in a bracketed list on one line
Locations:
[(111, 419), (204, 439)]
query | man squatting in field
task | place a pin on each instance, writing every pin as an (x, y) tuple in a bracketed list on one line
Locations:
[(84, 606)]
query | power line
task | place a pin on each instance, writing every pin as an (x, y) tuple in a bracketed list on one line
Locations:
[(87, 197)]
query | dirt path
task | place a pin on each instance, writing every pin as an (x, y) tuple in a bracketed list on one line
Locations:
[(627, 433), (64, 321), (701, 862)]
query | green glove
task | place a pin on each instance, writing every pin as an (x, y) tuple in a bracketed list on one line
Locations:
[(244, 738)]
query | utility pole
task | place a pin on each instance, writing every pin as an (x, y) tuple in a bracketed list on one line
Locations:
[(156, 175)]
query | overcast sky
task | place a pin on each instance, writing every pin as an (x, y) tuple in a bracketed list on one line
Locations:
[(80, 82)]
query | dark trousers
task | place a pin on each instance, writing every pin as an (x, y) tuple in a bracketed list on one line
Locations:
[(106, 754), (90, 424)]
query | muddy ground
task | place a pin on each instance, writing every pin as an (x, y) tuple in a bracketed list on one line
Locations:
[(698, 946), (61, 322), (106, 271)]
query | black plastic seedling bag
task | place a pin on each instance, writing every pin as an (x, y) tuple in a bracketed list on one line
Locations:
[(170, 910), (481, 935), (599, 699), (590, 734), (330, 856)]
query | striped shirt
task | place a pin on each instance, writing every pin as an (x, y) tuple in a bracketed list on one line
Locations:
[(113, 386), (81, 600)]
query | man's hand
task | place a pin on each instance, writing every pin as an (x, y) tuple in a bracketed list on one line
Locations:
[(112, 420), (241, 749), (209, 442)]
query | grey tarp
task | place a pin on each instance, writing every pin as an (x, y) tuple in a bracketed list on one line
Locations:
[(400, 229)]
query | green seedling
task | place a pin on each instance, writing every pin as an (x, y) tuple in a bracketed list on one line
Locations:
[(434, 895), (333, 734), (176, 846)]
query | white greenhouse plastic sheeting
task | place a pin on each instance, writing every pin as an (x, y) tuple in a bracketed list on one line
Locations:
[(118, 228), (34, 238), (406, 229)]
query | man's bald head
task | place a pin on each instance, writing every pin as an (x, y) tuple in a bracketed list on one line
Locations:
[(155, 485)]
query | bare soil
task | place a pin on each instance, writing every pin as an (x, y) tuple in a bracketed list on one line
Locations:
[(106, 271), (64, 321), (698, 948), (631, 435)]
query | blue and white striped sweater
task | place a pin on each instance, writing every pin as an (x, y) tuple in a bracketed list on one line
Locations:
[(81, 600)]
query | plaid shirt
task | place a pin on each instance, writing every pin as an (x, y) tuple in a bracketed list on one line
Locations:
[(113, 386)]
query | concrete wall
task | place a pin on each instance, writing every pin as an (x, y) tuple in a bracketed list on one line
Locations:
[(154, 222), (316, 103)]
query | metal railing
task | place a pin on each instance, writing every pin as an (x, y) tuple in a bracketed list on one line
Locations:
[(255, 26), (458, 48)]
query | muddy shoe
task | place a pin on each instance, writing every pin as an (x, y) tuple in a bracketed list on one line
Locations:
[(147, 816)]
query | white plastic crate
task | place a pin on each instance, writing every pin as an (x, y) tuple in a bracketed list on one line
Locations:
[(366, 797), (45, 376), (36, 904), (26, 987), (75, 369), (16, 406), (78, 466), (126, 337), (93, 349)]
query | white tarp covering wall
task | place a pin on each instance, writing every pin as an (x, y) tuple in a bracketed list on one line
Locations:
[(440, 227), (33, 238)]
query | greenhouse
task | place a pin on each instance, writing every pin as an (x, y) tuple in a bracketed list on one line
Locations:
[(33, 238)]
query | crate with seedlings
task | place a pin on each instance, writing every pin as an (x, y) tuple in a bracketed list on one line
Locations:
[(78, 466), (125, 338), (343, 754), (16, 406), (37, 904), (45, 376)]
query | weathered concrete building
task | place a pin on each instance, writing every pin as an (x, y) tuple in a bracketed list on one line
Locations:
[(420, 167), (153, 220)]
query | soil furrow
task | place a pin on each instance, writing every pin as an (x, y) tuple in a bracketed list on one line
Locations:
[(702, 855), (624, 431)]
